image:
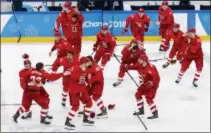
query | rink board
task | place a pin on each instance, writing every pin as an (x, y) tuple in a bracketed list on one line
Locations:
[(85, 38)]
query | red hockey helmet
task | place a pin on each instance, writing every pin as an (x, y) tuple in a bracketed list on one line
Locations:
[(165, 3), (141, 10), (27, 63), (192, 30), (57, 33), (25, 56), (104, 27), (144, 57), (68, 4), (84, 60)]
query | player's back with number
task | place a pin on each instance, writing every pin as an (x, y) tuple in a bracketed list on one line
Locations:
[(35, 77)]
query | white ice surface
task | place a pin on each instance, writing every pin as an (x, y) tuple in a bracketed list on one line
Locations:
[(181, 106)]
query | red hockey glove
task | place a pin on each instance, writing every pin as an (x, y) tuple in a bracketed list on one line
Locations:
[(148, 84), (124, 31), (55, 30)]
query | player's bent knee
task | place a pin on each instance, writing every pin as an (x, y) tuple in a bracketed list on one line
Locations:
[(75, 108)]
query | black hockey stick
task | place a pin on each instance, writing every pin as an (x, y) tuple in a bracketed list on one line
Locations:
[(17, 25), (127, 72), (142, 122)]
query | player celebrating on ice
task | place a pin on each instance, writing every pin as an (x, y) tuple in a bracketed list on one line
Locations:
[(77, 90), (67, 62), (104, 46), (95, 85), (61, 45), (71, 21), (178, 46), (149, 83), (194, 53), (33, 82), (130, 55), (165, 22), (139, 24)]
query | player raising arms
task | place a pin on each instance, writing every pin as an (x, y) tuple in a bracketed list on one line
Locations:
[(193, 53), (149, 83), (71, 21), (77, 90), (139, 24), (104, 46), (67, 62), (165, 22), (61, 45), (130, 55), (33, 82), (178, 46)]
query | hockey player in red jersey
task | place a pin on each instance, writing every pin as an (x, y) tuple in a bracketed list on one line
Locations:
[(139, 24), (67, 62), (77, 90), (130, 55), (194, 53), (95, 85), (165, 22), (178, 46), (22, 75), (104, 46), (61, 45), (149, 83), (71, 21), (32, 83)]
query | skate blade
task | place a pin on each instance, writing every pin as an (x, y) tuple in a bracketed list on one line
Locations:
[(102, 117), (13, 122), (69, 128), (87, 124), (79, 115)]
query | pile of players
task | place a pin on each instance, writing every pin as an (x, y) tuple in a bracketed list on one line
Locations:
[(82, 77)]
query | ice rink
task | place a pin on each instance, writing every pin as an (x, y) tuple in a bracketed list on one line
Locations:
[(181, 106)]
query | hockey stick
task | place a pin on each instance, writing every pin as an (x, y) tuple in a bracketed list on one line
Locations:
[(127, 71), (142, 122), (17, 25)]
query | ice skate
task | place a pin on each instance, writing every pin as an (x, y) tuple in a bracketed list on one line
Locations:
[(63, 102), (173, 62), (43, 121), (103, 114), (80, 113), (49, 117), (195, 84), (154, 115), (27, 116), (15, 117), (68, 125), (117, 83), (87, 122), (166, 65), (178, 80), (140, 112)]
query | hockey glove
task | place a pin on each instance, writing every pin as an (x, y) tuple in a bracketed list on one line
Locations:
[(124, 31), (148, 84)]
